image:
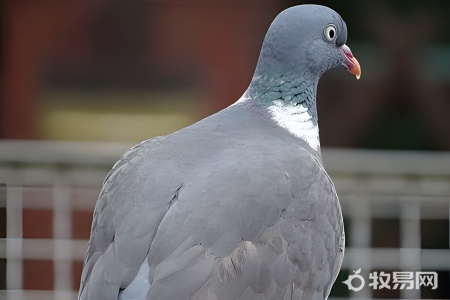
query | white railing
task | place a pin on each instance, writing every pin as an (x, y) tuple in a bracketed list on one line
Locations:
[(65, 178)]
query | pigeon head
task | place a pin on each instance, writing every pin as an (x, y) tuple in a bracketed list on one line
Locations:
[(306, 40), (301, 44)]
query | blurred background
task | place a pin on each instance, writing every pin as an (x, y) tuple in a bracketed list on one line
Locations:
[(82, 81)]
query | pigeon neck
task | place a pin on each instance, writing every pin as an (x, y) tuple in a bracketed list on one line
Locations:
[(291, 102)]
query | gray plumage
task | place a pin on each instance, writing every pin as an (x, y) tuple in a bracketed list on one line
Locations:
[(236, 206)]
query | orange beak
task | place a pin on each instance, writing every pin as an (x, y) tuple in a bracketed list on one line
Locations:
[(351, 62)]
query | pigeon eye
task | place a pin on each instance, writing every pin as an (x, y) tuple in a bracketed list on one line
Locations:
[(330, 33)]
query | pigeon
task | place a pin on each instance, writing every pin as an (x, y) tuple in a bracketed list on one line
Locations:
[(237, 205)]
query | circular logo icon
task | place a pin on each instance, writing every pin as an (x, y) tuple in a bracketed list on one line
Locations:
[(349, 281)]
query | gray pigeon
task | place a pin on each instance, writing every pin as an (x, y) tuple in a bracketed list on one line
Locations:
[(238, 205)]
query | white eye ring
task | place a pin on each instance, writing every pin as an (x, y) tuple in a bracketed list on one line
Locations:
[(330, 33)]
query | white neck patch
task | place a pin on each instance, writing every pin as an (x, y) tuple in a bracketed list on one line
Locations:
[(297, 120)]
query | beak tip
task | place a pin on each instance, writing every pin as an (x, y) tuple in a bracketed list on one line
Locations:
[(354, 68)]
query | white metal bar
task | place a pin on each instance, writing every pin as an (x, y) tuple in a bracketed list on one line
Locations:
[(62, 229), (410, 232), (62, 152), (336, 160), (37, 295), (14, 230), (47, 249), (410, 243), (360, 233), (389, 258)]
